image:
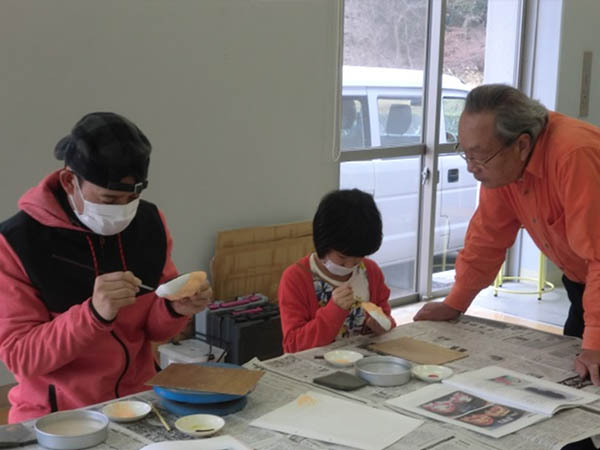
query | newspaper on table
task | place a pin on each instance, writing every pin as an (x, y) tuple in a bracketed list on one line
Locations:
[(539, 354), (217, 443), (518, 390), (488, 342)]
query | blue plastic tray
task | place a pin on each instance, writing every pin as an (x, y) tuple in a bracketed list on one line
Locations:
[(198, 397), (218, 409)]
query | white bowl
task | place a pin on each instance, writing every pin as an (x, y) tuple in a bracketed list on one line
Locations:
[(342, 358), (127, 410), (200, 424), (431, 373)]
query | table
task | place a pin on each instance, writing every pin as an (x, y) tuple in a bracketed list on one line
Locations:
[(529, 351)]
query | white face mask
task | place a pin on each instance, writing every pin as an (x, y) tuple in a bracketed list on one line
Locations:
[(338, 270), (106, 220)]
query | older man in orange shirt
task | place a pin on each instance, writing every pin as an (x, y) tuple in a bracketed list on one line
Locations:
[(539, 170)]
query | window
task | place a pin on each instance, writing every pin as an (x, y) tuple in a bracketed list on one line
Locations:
[(472, 28), (452, 108), (383, 113)]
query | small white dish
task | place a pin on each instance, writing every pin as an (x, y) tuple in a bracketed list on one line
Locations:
[(200, 425), (342, 358), (126, 410), (431, 373)]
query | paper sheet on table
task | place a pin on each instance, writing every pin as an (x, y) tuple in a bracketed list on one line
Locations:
[(418, 351), (329, 419), (216, 443), (222, 380)]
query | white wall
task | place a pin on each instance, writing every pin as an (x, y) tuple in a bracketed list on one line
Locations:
[(547, 52), (579, 33), (237, 97)]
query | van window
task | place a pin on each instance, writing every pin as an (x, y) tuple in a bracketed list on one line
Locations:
[(453, 107), (399, 120), (354, 124)]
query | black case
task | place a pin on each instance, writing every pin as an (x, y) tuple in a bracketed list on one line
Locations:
[(341, 381), (245, 336)]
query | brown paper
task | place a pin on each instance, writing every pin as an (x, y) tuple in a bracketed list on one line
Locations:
[(417, 351), (221, 380)]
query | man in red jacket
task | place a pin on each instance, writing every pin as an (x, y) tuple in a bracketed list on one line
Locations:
[(539, 170), (77, 333)]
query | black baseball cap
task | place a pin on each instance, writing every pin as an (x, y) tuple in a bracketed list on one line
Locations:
[(103, 148)]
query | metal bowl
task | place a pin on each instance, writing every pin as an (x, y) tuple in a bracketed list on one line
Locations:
[(384, 370), (72, 429)]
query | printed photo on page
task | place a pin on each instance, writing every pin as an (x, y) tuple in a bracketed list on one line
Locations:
[(518, 390), (446, 404)]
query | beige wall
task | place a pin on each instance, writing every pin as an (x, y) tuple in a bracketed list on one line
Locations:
[(237, 97)]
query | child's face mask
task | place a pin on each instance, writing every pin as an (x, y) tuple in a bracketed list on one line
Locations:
[(337, 269)]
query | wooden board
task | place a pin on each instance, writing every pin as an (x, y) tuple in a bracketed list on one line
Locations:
[(221, 380), (418, 351)]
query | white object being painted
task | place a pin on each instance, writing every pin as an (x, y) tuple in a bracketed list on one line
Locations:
[(181, 287)]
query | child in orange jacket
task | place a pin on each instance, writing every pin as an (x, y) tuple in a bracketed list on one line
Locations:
[(320, 296)]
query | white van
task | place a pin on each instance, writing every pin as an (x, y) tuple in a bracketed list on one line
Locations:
[(383, 107)]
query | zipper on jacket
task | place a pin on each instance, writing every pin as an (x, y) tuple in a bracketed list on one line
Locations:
[(52, 398), (101, 242), (126, 363)]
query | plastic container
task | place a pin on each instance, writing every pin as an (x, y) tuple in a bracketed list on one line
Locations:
[(188, 351), (384, 370)]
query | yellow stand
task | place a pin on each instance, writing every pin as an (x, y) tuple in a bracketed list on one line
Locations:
[(543, 286)]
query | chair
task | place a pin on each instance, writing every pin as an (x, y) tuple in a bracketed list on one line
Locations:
[(399, 119), (398, 122), (543, 286)]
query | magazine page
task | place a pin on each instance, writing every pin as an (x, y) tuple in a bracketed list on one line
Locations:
[(519, 390), (448, 404)]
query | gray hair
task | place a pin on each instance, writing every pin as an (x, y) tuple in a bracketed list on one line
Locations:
[(515, 112)]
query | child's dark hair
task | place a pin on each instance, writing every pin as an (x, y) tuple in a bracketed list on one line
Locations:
[(349, 222)]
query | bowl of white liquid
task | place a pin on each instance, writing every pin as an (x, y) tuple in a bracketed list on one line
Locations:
[(69, 430)]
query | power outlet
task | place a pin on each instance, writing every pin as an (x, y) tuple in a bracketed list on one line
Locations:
[(586, 81)]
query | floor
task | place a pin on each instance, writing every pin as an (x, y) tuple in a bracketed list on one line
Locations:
[(547, 314)]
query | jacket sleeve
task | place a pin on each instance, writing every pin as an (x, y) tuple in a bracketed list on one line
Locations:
[(492, 230), (33, 343), (163, 323), (301, 329), (379, 293), (580, 192)]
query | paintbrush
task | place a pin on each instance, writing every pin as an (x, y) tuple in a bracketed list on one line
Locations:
[(160, 417), (90, 268)]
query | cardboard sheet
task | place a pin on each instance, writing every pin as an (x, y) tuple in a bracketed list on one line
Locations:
[(417, 351), (221, 380), (251, 260)]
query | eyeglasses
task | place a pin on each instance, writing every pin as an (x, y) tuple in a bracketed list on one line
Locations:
[(477, 162)]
